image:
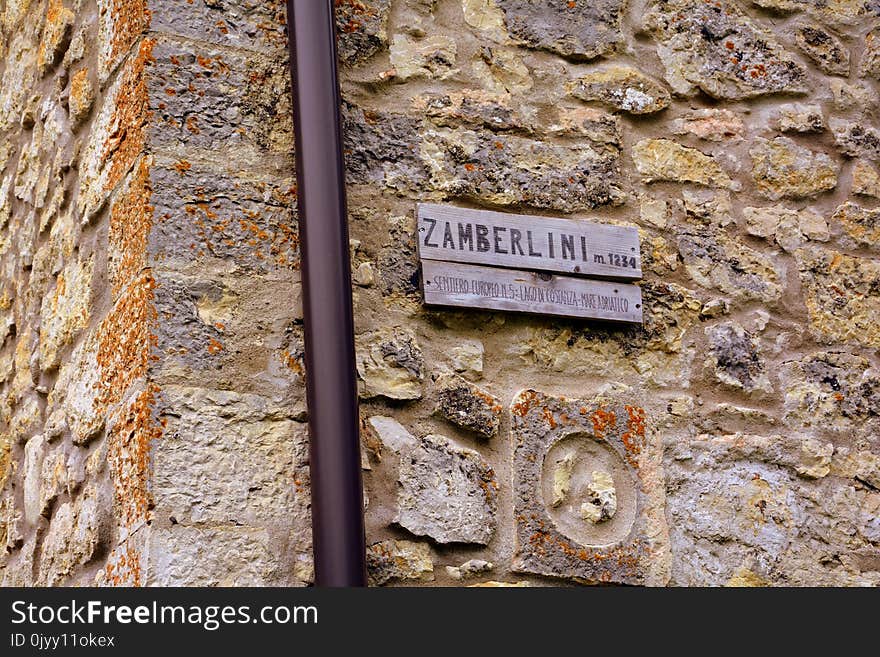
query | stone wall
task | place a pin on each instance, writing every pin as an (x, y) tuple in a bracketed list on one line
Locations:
[(151, 405)]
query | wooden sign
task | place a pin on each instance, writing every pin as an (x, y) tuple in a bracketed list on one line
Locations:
[(492, 288), (569, 246)]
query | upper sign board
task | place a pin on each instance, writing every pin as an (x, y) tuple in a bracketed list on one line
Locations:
[(520, 241)]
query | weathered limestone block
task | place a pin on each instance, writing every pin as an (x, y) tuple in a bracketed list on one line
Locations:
[(856, 139), (82, 95), (706, 207), (201, 215), (615, 462), (716, 260), (866, 179), (231, 458), (362, 28), (710, 124), (508, 169), (664, 159), (110, 152), (844, 12), (717, 48), (622, 88), (447, 493), (842, 296), (381, 147), (56, 35), (34, 451), (764, 504), (862, 224), (431, 57), (214, 99), (65, 312), (389, 364), (832, 391), (392, 434), (735, 358), (468, 406), (596, 125), (219, 556), (466, 358), (869, 67), (502, 69), (76, 531), (789, 228), (469, 569), (582, 30), (800, 117), (399, 560), (783, 169), (473, 108), (846, 97), (252, 24), (18, 79), (823, 47)]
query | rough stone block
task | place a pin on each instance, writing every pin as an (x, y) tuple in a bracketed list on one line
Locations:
[(823, 47), (228, 458), (468, 406), (214, 99), (833, 391), (664, 159), (389, 364), (582, 30), (218, 556), (604, 441), (251, 24), (447, 493), (735, 358), (752, 504), (783, 169), (717, 48), (715, 260), (842, 296), (399, 560), (622, 88)]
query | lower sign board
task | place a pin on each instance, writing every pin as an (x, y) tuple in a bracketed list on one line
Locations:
[(491, 288)]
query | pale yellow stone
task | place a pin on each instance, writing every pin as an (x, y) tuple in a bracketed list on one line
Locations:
[(743, 577), (654, 212), (431, 57), (562, 479), (866, 179), (664, 159), (815, 459)]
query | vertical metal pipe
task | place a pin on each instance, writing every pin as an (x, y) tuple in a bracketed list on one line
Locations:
[(331, 386)]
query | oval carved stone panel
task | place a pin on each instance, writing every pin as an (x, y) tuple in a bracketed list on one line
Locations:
[(589, 490)]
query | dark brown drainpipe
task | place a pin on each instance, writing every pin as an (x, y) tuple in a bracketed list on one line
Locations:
[(331, 386)]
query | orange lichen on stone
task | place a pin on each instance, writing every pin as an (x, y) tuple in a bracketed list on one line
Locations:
[(524, 402), (130, 118), (602, 421), (548, 416), (128, 455), (634, 436), (126, 340), (130, 19), (214, 346), (59, 20), (124, 567), (131, 219)]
